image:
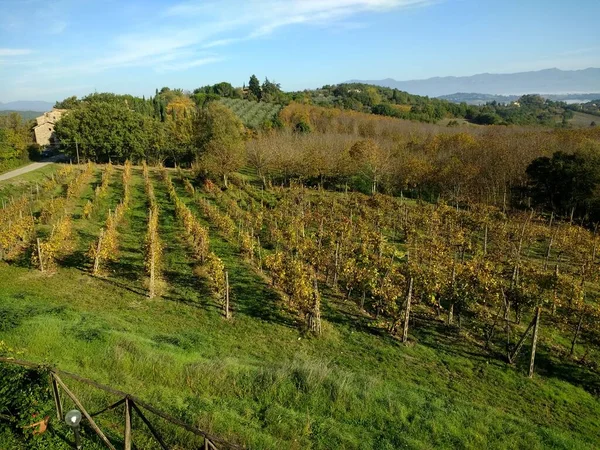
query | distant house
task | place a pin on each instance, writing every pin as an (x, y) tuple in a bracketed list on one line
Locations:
[(44, 130)]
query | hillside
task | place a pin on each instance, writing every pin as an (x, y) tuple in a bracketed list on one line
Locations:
[(26, 106), (253, 114), (261, 378), (548, 81)]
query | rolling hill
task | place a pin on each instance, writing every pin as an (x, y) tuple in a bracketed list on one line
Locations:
[(548, 81), (26, 106)]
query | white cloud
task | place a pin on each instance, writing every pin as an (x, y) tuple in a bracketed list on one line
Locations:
[(15, 51), (221, 42), (175, 38), (189, 64)]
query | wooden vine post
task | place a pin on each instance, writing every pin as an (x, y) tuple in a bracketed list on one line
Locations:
[(534, 339), (227, 314), (39, 250), (152, 274), (152, 255), (314, 315), (97, 256), (407, 311), (577, 331)]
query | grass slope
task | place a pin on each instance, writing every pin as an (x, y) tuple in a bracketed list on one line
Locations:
[(255, 380)]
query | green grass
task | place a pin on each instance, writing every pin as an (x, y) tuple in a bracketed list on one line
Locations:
[(256, 379), (6, 165), (15, 187)]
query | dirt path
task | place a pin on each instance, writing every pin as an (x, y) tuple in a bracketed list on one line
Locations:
[(30, 168)]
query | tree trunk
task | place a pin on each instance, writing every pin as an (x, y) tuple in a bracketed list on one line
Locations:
[(225, 182), (407, 311)]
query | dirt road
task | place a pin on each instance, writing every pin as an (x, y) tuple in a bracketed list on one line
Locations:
[(30, 168)]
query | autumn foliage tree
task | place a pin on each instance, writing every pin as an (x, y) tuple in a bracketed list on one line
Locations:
[(219, 141)]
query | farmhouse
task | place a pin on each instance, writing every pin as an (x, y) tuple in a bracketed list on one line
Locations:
[(44, 130)]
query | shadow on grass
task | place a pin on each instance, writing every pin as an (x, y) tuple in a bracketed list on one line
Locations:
[(120, 285), (249, 293), (565, 370), (182, 284), (76, 260)]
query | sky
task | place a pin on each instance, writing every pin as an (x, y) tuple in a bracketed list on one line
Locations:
[(52, 49)]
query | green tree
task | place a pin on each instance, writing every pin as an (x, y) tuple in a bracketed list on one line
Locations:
[(68, 103), (254, 87), (565, 183), (104, 131), (271, 91), (219, 139)]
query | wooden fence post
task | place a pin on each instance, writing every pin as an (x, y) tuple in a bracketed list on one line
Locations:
[(84, 412), (127, 436), (150, 427), (57, 401)]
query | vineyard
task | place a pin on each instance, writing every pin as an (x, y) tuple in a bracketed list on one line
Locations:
[(306, 318), (252, 114)]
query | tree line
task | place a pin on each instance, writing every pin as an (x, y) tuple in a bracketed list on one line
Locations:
[(342, 149), (17, 144)]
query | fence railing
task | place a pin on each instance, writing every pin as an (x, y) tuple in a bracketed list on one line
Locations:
[(129, 402)]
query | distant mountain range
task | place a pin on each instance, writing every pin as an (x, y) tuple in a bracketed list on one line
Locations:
[(473, 98), (548, 81), (26, 106)]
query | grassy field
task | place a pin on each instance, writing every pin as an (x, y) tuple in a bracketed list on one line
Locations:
[(255, 379), (252, 114), (583, 120)]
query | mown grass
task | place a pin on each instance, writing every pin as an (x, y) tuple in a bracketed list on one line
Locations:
[(255, 379)]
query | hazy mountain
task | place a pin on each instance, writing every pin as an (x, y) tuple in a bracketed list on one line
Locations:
[(26, 106), (472, 98), (548, 81)]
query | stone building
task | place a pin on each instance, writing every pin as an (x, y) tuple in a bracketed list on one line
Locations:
[(44, 130)]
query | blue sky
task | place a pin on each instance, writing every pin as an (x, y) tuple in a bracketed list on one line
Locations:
[(51, 49)]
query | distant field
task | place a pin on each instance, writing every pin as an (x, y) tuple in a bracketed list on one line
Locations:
[(583, 119), (252, 114)]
